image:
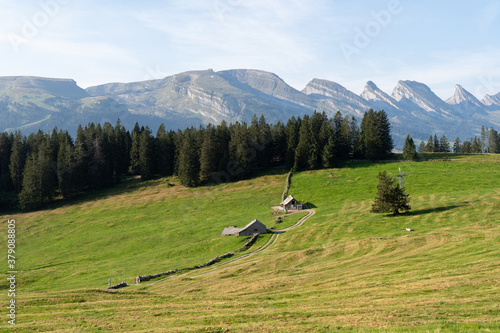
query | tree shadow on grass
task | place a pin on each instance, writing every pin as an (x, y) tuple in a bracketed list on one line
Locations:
[(431, 210)]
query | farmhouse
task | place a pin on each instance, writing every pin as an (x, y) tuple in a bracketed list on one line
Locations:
[(254, 227), (291, 203)]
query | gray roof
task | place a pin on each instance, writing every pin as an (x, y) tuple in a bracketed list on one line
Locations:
[(230, 231), (252, 223), (287, 200)]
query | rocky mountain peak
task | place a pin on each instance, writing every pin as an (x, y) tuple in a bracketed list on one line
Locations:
[(416, 94), (373, 94), (491, 100), (461, 95)]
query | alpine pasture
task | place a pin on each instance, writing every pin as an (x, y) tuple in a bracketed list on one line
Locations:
[(343, 269)]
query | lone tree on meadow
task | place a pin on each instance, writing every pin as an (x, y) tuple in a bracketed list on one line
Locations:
[(409, 149), (390, 197)]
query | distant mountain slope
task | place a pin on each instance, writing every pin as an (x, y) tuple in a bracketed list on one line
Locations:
[(201, 97), (208, 96)]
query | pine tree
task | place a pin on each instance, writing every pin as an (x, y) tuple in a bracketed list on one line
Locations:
[(429, 147), (188, 169), (494, 142), (265, 155), (17, 161), (304, 150), (485, 139), (279, 143), (80, 169), (341, 142), (356, 142), (39, 179), (222, 138), (421, 147), (147, 155), (436, 147), (5, 152), (65, 168), (376, 136), (240, 152), (134, 149), (209, 162), (30, 197), (409, 149), (390, 197), (444, 145), (165, 151), (120, 143), (457, 147), (292, 139)]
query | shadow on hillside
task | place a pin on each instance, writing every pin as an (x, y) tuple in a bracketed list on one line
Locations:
[(310, 205), (432, 210)]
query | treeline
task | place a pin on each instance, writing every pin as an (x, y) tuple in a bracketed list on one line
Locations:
[(38, 168), (488, 142)]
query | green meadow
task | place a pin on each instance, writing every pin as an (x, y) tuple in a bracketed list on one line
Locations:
[(344, 269)]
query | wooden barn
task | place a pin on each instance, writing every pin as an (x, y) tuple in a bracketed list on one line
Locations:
[(291, 203), (254, 227)]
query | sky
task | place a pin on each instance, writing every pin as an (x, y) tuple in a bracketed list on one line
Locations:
[(439, 43)]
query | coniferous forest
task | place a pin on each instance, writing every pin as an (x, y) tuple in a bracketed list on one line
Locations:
[(36, 169)]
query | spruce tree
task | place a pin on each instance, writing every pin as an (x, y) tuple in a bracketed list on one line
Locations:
[(17, 161), (292, 138), (279, 143), (222, 138), (494, 142), (436, 146), (265, 155), (409, 149), (240, 152), (303, 155), (5, 152), (356, 141), (421, 147), (209, 162), (65, 168), (457, 147), (390, 197), (30, 196), (429, 147), (376, 136), (147, 161), (134, 149), (444, 145), (188, 169)]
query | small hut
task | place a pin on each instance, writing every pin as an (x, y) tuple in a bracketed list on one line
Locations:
[(291, 203), (254, 227)]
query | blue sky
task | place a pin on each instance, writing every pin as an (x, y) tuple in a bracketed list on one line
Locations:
[(440, 43)]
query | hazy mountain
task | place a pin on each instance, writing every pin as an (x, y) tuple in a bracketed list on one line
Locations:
[(334, 97), (419, 99), (492, 101), (465, 103), (199, 97)]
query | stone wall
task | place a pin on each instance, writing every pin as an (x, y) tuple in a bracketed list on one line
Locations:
[(118, 286), (140, 279), (287, 186)]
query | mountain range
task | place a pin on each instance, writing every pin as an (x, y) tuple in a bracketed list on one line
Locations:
[(201, 97)]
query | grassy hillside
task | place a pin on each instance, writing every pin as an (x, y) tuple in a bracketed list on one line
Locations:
[(343, 268)]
